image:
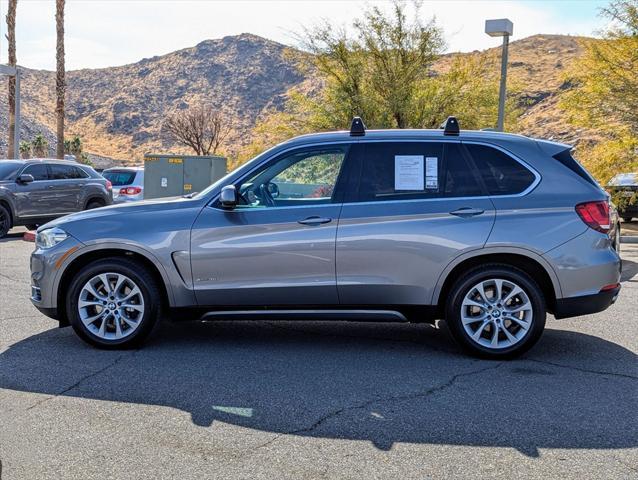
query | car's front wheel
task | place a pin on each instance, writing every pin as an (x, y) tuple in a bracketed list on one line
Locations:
[(496, 311), (113, 303), (5, 221)]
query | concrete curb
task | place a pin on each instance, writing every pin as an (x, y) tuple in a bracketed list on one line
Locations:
[(29, 236), (629, 239)]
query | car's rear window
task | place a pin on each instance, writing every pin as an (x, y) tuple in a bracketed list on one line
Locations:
[(120, 178), (501, 173)]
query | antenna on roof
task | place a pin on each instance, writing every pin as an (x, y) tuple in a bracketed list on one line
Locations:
[(450, 126), (357, 127)]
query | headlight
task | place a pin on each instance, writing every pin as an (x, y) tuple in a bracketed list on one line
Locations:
[(50, 237)]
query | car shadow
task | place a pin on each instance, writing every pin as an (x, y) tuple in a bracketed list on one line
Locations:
[(629, 270), (382, 383), (12, 236)]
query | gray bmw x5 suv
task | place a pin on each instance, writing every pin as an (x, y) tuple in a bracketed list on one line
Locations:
[(488, 231)]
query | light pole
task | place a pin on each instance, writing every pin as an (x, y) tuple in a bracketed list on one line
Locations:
[(501, 28)]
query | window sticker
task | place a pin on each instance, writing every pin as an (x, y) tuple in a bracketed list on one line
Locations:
[(408, 172), (432, 173)]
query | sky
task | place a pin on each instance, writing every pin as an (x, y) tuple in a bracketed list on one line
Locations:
[(102, 33)]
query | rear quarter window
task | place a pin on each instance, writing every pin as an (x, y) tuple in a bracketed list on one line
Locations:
[(501, 174)]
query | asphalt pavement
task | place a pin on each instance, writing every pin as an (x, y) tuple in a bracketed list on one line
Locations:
[(302, 400)]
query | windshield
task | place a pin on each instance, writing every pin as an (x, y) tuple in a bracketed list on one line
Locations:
[(8, 169), (120, 178)]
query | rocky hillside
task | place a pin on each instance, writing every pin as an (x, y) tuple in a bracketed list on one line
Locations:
[(119, 110)]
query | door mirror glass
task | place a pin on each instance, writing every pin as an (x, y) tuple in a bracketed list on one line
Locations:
[(25, 178), (228, 196)]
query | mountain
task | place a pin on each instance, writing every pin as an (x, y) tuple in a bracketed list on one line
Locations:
[(119, 110)]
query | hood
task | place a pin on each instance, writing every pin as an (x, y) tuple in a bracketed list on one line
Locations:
[(125, 209)]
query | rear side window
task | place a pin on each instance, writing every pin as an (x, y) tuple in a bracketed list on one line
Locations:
[(66, 172), (565, 157), (501, 174), (39, 171), (415, 170)]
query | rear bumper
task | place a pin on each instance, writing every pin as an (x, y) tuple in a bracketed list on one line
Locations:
[(586, 304)]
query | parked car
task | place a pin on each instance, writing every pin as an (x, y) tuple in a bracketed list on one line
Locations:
[(33, 192), (128, 183), (626, 185), (486, 230)]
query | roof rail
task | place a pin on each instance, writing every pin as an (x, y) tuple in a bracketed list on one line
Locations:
[(450, 126), (357, 127)]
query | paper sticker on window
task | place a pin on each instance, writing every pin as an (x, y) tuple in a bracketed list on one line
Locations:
[(432, 173), (408, 172)]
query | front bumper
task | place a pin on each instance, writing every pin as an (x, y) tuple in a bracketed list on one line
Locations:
[(46, 265), (586, 304)]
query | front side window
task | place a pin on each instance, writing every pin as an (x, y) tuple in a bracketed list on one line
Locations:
[(306, 177), (501, 173), (415, 170), (39, 171)]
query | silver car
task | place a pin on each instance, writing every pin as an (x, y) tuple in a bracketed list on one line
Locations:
[(488, 231), (128, 183)]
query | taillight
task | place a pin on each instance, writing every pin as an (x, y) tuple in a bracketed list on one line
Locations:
[(595, 215), (109, 185), (130, 190)]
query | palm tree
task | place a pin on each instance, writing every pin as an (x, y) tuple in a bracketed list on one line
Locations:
[(60, 85), (11, 40)]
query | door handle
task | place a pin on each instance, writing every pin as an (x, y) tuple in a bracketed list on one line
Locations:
[(51, 186), (467, 212), (315, 220)]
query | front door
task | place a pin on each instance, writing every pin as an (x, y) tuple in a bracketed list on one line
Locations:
[(418, 205), (278, 246), (35, 199)]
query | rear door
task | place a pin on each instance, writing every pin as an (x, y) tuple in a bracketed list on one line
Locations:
[(67, 182), (414, 207)]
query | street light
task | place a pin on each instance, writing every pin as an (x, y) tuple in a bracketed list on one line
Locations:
[(501, 27)]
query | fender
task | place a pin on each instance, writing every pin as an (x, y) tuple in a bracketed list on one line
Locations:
[(111, 245), (497, 250)]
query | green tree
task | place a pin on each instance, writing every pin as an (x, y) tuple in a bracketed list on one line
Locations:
[(383, 73), (25, 149), (40, 146), (605, 93)]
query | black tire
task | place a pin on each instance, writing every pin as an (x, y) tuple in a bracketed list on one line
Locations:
[(94, 204), (462, 287), (627, 219), (32, 226), (148, 286), (5, 221)]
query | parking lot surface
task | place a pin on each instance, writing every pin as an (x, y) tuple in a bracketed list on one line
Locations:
[(314, 400)]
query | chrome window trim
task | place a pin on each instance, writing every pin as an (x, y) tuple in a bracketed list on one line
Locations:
[(362, 140)]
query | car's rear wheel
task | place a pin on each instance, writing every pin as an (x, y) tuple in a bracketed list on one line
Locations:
[(113, 303), (5, 221), (496, 311), (32, 226)]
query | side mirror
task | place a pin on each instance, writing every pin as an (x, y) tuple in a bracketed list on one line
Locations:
[(25, 178), (228, 196)]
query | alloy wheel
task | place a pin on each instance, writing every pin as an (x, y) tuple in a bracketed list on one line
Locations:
[(111, 306), (496, 313)]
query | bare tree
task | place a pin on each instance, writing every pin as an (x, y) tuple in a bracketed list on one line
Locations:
[(201, 128), (11, 41), (60, 83)]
